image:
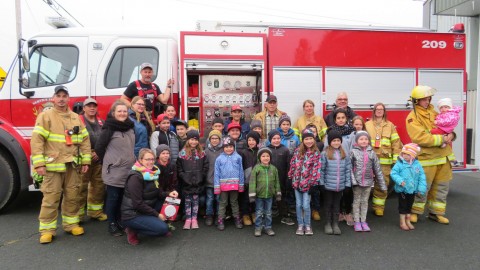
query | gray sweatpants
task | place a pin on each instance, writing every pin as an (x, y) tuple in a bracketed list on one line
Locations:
[(360, 203)]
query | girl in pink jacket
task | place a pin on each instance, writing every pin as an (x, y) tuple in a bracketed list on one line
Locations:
[(447, 119)]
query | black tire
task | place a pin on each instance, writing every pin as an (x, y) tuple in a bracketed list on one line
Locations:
[(9, 181)]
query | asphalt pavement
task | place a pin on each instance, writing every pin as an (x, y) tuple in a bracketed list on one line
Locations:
[(429, 246)]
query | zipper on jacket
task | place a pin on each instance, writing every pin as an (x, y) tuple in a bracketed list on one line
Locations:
[(337, 154), (266, 190), (365, 158)]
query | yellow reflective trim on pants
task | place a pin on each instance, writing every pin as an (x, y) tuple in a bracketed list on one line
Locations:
[(81, 212), (378, 201), (56, 167), (40, 130), (47, 226), (438, 206), (419, 205), (94, 207), (394, 137), (70, 220), (433, 162), (386, 161), (437, 140)]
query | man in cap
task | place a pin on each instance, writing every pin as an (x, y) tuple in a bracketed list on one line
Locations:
[(60, 154), (148, 90), (92, 191), (236, 117), (270, 116)]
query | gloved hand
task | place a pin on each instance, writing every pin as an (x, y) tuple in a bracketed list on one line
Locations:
[(278, 197), (251, 199)]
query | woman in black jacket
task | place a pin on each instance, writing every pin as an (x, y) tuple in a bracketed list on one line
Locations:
[(140, 210)]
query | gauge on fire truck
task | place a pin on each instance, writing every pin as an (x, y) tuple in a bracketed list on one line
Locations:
[(227, 85), (237, 85)]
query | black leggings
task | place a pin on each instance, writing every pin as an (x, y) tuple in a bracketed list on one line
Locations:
[(405, 203), (332, 203), (346, 201)]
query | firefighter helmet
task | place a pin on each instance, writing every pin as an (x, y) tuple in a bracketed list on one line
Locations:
[(422, 91)]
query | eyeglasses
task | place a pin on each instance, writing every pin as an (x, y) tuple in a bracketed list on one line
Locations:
[(140, 104), (342, 99), (149, 159)]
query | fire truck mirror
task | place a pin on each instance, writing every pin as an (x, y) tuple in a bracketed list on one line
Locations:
[(25, 80), (25, 61)]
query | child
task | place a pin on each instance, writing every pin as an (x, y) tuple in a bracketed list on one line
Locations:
[(305, 173), (318, 141), (334, 178), (289, 138), (447, 119), (213, 150), (256, 125), (235, 133), (315, 190), (168, 175), (365, 165), (249, 159), (228, 181), (181, 127), (281, 160), (192, 168), (264, 185), (163, 135), (217, 124), (358, 124), (409, 179)]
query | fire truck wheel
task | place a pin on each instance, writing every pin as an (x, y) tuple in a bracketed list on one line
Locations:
[(9, 181)]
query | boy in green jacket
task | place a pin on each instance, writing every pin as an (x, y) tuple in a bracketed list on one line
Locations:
[(264, 185)]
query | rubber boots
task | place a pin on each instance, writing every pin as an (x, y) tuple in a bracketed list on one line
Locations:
[(336, 229), (46, 238), (328, 226), (413, 218)]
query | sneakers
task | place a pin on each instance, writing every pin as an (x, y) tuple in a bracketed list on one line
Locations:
[(358, 227), (194, 223), (220, 224), (308, 230), (378, 212), (46, 238), (269, 232), (132, 238), (288, 221), (413, 218), (188, 224), (246, 220), (258, 232), (238, 223), (328, 228), (209, 220), (365, 226), (114, 230), (299, 230), (315, 215), (349, 219), (437, 218)]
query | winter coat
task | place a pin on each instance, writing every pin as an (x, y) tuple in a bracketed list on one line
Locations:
[(167, 179), (365, 166), (139, 197), (240, 145), (249, 160), (412, 174), (419, 122), (115, 148), (169, 138), (264, 182), (290, 140), (141, 133), (305, 171), (346, 142), (192, 171), (244, 124), (317, 120), (212, 152), (281, 160), (228, 174), (330, 121), (336, 173), (448, 120), (262, 117), (390, 143)]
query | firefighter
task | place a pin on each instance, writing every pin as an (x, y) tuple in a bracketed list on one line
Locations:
[(92, 191), (387, 145), (60, 153), (148, 90), (434, 159)]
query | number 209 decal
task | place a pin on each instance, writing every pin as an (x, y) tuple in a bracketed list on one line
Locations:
[(434, 44)]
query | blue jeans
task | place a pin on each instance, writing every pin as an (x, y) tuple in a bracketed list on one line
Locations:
[(263, 213), (113, 203), (210, 200), (303, 203), (147, 225)]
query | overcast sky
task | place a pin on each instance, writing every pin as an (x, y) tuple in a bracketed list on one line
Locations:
[(177, 15)]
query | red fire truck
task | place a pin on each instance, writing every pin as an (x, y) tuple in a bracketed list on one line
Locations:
[(221, 67)]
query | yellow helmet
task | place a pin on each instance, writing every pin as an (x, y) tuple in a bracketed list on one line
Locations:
[(422, 91)]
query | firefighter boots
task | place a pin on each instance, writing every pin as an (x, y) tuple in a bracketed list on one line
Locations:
[(439, 219), (46, 238)]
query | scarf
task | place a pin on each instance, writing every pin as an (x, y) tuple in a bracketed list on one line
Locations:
[(114, 125), (345, 130), (148, 174)]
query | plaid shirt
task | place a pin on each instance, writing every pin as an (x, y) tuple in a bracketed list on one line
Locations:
[(271, 122)]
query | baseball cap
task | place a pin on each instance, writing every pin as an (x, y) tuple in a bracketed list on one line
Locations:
[(271, 98), (89, 100), (61, 88), (146, 65), (236, 108)]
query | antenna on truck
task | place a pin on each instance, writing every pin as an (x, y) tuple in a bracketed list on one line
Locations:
[(59, 9)]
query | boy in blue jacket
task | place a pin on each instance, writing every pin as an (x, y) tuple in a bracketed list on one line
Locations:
[(287, 134), (409, 179)]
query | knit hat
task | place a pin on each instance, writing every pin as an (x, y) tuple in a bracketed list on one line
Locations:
[(445, 102), (214, 133), (332, 134), (284, 118), (264, 150), (162, 117), (411, 149), (255, 124), (161, 148), (193, 134), (217, 120), (272, 133), (254, 135), (307, 133), (234, 125), (228, 141), (360, 134)]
